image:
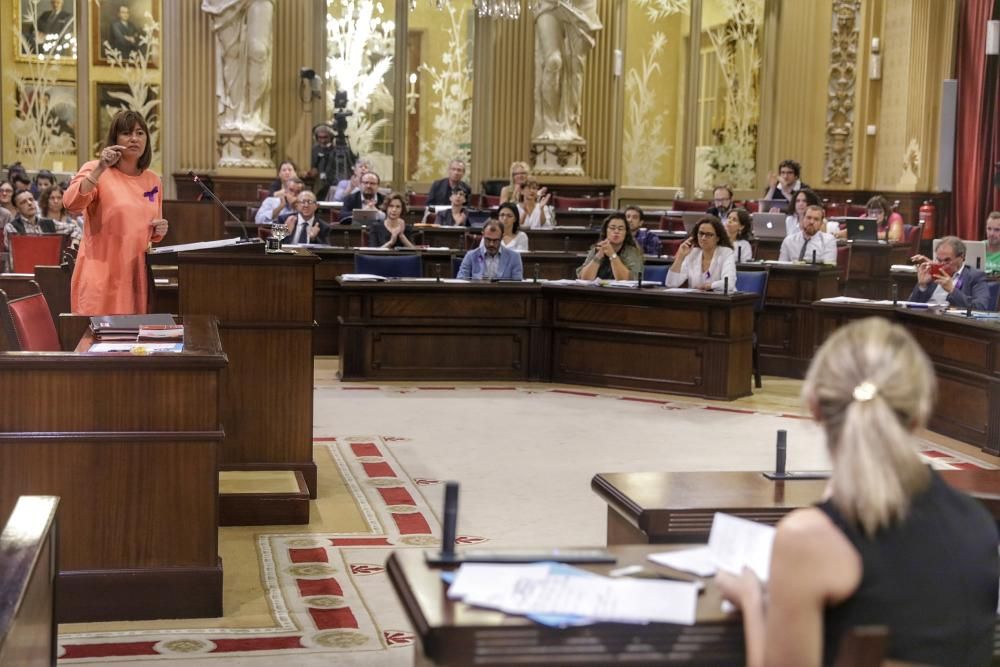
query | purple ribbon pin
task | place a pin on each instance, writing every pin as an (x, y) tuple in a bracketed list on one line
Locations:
[(151, 195)]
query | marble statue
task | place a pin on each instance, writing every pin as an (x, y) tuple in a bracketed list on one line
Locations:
[(243, 79), (564, 34)]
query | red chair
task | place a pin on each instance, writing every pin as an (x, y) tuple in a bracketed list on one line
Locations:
[(670, 246), (563, 203), (670, 223), (30, 250), (751, 205), (31, 323), (912, 235), (263, 193), (693, 205), (844, 264), (489, 201), (472, 241), (417, 200)]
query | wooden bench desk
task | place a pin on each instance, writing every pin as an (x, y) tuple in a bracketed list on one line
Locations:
[(453, 634), (677, 507)]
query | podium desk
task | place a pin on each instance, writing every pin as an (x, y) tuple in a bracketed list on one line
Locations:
[(130, 444), (966, 357), (786, 329), (335, 261), (264, 304), (870, 263), (697, 344), (418, 330), (677, 507), (453, 634)]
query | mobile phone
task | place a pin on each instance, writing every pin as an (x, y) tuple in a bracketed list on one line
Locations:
[(938, 270)]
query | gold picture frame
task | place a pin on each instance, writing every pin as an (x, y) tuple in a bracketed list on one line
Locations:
[(126, 34), (48, 31)]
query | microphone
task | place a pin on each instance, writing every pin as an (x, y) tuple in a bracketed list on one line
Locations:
[(781, 451), (449, 523), (204, 188)]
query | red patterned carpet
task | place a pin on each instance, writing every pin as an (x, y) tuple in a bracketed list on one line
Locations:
[(327, 597)]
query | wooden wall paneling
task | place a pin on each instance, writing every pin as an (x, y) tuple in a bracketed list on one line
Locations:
[(512, 72), (189, 91), (600, 91)]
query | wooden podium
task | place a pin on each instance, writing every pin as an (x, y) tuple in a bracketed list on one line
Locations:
[(264, 303), (129, 443)]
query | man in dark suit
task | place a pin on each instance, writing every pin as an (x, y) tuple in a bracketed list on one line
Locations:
[(367, 197), (951, 282), (304, 226), (440, 194)]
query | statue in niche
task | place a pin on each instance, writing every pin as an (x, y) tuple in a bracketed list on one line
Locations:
[(243, 63), (565, 32)]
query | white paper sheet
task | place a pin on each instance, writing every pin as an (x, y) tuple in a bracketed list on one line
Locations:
[(697, 561), (736, 543), (136, 347)]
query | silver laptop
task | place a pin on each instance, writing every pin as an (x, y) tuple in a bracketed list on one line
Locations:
[(765, 205), (365, 216), (769, 225)]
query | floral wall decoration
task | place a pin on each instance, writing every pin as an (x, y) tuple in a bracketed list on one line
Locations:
[(451, 134), (644, 146)]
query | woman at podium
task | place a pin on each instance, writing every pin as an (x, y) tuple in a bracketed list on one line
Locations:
[(122, 205), (893, 545)]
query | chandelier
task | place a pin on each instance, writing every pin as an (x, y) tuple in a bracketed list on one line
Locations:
[(498, 9), (487, 9)]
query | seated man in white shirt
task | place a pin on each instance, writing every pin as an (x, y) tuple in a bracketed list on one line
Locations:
[(810, 239), (282, 203)]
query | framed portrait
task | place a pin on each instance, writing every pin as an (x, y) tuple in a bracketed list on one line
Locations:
[(110, 98), (125, 32), (48, 29), (45, 115)]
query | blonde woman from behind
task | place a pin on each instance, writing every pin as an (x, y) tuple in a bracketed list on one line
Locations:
[(892, 544)]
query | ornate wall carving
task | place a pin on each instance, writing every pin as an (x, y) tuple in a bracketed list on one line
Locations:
[(840, 95)]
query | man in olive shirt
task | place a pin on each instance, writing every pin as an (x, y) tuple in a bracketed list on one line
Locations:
[(993, 242)]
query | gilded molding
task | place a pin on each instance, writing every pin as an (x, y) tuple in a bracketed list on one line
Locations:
[(837, 167)]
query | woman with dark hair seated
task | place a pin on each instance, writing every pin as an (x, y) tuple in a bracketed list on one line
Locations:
[(739, 228), (802, 200), (286, 170), (706, 258), (892, 545), (392, 232), (890, 223), (510, 218), (456, 215), (615, 256)]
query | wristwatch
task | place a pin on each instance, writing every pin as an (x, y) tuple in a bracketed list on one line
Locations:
[(614, 256)]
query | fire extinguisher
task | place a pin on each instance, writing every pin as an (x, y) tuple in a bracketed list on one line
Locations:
[(927, 216)]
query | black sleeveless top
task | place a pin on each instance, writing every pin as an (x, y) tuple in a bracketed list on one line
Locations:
[(932, 580)]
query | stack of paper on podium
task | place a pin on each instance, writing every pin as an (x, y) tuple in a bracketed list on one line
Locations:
[(558, 594)]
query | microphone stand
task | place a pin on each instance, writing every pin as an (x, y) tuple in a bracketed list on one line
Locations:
[(246, 235)]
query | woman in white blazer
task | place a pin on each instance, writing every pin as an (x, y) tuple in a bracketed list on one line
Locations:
[(706, 259)]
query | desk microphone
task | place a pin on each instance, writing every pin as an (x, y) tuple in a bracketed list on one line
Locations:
[(537, 271), (565, 244), (204, 188), (781, 452), (448, 556), (347, 240), (450, 525), (437, 272), (725, 285), (814, 256), (639, 282)]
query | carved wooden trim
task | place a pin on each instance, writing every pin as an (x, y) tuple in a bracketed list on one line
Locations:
[(837, 167)]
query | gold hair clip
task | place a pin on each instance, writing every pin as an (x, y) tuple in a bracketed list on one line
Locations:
[(865, 391)]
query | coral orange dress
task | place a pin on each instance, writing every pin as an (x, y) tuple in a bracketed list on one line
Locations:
[(110, 274)]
